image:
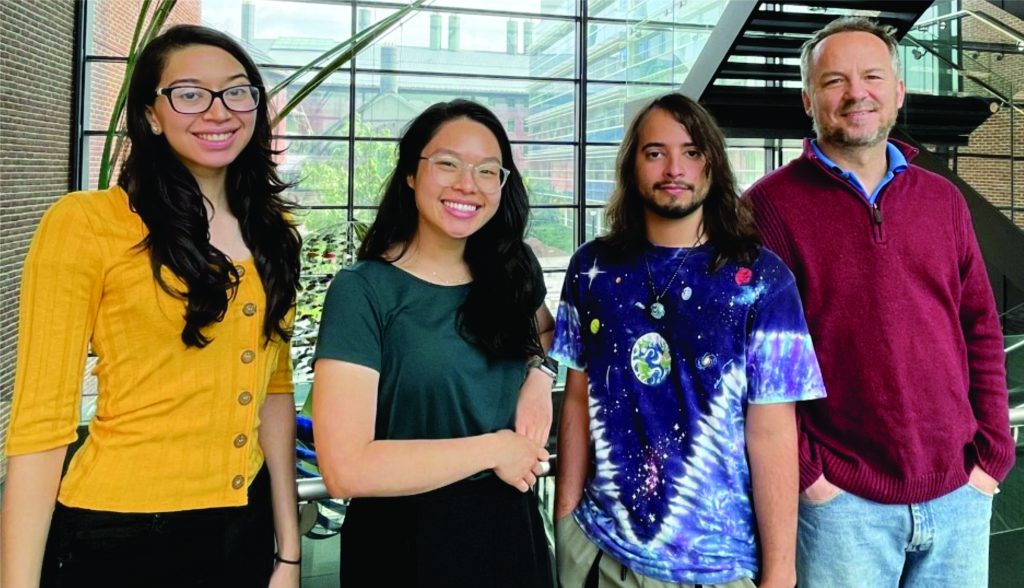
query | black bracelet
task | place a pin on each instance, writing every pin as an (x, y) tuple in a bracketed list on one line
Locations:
[(293, 562)]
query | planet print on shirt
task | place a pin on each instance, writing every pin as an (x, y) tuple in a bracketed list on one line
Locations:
[(650, 359)]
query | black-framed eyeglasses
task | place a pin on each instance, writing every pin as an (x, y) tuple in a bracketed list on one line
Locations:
[(197, 100), (447, 170)]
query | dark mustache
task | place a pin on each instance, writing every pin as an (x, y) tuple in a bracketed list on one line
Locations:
[(678, 183)]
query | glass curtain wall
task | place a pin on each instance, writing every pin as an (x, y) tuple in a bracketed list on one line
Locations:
[(558, 73)]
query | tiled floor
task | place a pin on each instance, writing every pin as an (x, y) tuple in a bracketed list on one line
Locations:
[(320, 562)]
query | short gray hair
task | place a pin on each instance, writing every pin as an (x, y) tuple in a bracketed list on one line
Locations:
[(849, 24)]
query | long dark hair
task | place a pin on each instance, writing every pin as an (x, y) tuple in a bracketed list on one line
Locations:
[(167, 197), (728, 220), (498, 314)]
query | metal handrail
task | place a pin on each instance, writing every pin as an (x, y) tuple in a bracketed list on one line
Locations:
[(1017, 416), (311, 489), (1014, 347), (973, 76), (986, 18)]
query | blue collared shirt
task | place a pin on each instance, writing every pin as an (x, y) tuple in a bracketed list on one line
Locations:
[(897, 164)]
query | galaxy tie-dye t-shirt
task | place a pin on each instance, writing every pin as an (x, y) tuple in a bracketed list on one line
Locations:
[(670, 494)]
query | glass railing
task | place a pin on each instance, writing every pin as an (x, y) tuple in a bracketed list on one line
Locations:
[(1008, 508), (1013, 326), (1015, 383), (972, 59)]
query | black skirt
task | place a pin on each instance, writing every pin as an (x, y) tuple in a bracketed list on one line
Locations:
[(473, 533)]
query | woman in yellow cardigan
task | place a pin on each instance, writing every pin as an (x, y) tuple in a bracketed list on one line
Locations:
[(182, 279)]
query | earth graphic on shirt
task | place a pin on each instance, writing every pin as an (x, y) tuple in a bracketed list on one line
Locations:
[(650, 359)]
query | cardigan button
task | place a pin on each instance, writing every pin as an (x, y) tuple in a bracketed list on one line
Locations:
[(237, 482), (249, 309), (240, 270), (240, 440), (244, 398), (248, 355)]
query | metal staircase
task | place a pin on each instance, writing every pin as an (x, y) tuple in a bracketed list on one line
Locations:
[(748, 76)]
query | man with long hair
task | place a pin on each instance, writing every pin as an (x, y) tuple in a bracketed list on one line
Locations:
[(687, 349), (898, 467)]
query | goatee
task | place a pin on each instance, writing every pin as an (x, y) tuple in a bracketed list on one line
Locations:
[(839, 136), (676, 211)]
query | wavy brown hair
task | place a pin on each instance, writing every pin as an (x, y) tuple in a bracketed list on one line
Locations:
[(728, 220)]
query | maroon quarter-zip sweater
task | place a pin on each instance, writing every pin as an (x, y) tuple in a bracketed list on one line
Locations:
[(904, 324)]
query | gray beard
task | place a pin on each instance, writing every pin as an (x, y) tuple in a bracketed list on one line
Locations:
[(837, 136)]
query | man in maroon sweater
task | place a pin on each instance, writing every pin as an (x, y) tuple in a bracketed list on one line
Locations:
[(899, 464)]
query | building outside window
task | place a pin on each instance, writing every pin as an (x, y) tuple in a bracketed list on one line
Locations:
[(559, 72)]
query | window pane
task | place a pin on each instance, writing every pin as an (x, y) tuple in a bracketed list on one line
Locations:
[(319, 169), (386, 103), (374, 162), (606, 107), (102, 81), (791, 149), (321, 219), (600, 173), (278, 32), (548, 173), (366, 215), (323, 112), (747, 165), (553, 280), (92, 154), (638, 53), (694, 12), (642, 53), (550, 233), (473, 44), (596, 224), (551, 113), (566, 7), (551, 45)]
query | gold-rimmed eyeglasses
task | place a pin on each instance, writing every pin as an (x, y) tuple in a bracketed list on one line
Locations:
[(447, 170)]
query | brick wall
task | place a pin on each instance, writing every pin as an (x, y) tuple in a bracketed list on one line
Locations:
[(112, 23), (36, 65), (985, 162), (35, 138)]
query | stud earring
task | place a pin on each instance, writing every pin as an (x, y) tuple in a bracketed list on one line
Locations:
[(156, 130)]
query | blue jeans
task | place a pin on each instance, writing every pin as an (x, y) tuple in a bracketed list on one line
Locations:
[(851, 542)]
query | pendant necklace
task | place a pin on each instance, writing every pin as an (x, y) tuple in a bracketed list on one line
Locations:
[(657, 309)]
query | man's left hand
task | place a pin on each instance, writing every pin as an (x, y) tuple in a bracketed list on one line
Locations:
[(982, 481)]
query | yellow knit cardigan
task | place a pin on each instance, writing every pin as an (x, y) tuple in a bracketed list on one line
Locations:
[(175, 428)]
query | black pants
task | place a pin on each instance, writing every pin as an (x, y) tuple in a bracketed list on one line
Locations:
[(232, 546), (470, 534)]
